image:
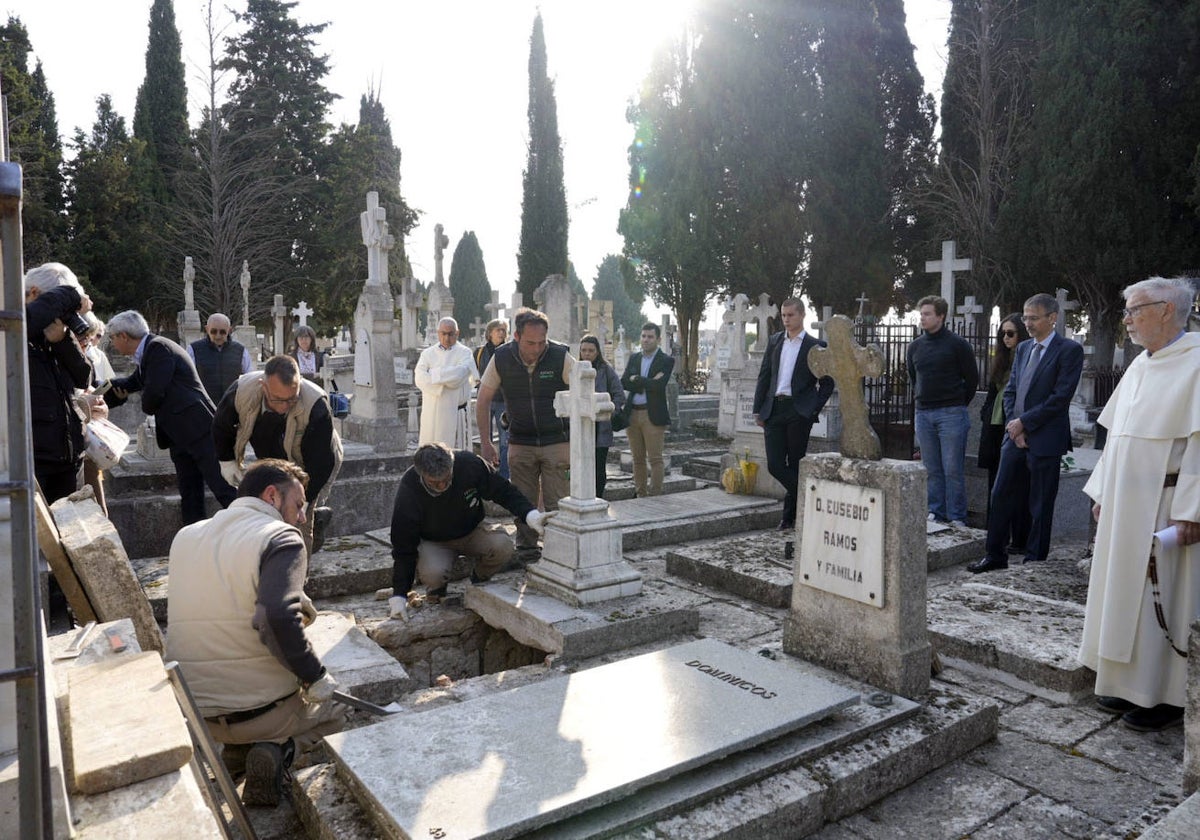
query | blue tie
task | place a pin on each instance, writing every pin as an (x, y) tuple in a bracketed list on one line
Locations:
[(1026, 377)]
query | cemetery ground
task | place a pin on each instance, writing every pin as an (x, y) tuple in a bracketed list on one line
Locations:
[(1007, 742)]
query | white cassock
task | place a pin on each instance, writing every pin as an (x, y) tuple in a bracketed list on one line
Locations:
[(1153, 418), (445, 377)]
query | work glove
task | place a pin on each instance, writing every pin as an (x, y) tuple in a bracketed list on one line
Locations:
[(232, 473), (537, 520), (308, 610), (398, 607), (320, 691)]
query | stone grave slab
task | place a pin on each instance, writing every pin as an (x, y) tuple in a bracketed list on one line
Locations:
[(349, 565), (755, 567), (681, 517), (362, 668), (952, 546), (509, 763), (546, 623)]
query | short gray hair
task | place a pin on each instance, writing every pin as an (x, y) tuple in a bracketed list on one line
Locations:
[(434, 460), (1046, 303), (1180, 291), (49, 276), (130, 322)]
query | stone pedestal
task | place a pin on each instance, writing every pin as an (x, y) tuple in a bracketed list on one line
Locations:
[(190, 328), (581, 560), (858, 597), (147, 443), (374, 418), (248, 338)]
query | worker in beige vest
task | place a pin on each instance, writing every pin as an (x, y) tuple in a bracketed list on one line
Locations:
[(282, 415)]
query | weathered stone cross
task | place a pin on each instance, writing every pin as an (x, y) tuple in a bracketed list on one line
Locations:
[(847, 363), (244, 280), (946, 266), (495, 307), (763, 313), (819, 326), (862, 302), (302, 312), (479, 327), (970, 310), (1064, 306), (738, 315), (375, 236), (585, 407), (280, 312)]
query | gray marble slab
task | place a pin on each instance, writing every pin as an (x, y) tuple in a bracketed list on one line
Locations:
[(509, 763)]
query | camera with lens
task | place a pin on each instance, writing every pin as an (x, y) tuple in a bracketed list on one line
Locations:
[(77, 324)]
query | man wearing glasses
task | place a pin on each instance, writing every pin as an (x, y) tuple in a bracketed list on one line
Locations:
[(219, 359), (1045, 372), (183, 413), (281, 415)]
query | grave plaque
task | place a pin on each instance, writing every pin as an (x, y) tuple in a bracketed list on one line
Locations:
[(841, 547), (506, 764), (745, 413)]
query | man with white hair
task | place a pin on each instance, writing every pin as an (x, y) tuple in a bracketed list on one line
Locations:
[(219, 359), (1144, 590), (183, 413), (444, 374)]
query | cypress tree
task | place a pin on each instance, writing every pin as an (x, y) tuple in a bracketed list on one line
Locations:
[(544, 222), (469, 283), (610, 285), (160, 116)]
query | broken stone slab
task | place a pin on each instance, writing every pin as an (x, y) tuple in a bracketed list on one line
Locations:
[(755, 567), (99, 558), (953, 546), (682, 517), (527, 758), (326, 808), (152, 576), (548, 624), (361, 667), (124, 723), (1021, 639)]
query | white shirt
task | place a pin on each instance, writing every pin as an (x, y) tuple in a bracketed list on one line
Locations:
[(788, 354)]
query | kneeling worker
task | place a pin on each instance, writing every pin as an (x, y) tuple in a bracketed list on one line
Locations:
[(237, 613), (439, 514)]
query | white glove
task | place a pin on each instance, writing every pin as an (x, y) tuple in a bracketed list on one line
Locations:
[(308, 610), (232, 473), (398, 607), (537, 520), (321, 690)]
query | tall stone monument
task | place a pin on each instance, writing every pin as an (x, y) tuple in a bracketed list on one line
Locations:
[(374, 418), (859, 587), (439, 301), (282, 317), (190, 328), (555, 299), (244, 332), (736, 316)]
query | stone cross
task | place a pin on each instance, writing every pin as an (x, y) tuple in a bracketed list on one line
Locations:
[(302, 312), (847, 363), (620, 350), (375, 236), (244, 279), (603, 332), (495, 307), (763, 313), (479, 328), (189, 280), (582, 309), (737, 317), (280, 313), (585, 407), (819, 326), (518, 302), (946, 266), (440, 241), (1064, 306), (970, 310), (862, 302)]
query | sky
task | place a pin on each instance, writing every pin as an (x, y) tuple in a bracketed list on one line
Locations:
[(453, 79)]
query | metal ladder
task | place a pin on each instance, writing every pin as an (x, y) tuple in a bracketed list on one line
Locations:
[(28, 654)]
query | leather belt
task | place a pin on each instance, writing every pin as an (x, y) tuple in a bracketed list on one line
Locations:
[(1170, 479), (248, 714), (779, 397)]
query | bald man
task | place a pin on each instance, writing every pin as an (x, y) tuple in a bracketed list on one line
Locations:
[(219, 359)]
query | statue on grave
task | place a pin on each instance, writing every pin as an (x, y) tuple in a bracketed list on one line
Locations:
[(189, 280), (245, 281), (440, 241)]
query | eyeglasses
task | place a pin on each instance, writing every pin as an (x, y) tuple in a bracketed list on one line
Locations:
[(1033, 319), (218, 332), (1133, 310), (1008, 333), (271, 398)]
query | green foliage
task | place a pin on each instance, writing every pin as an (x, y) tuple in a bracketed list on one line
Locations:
[(610, 285), (469, 283), (160, 116), (34, 143), (544, 221)]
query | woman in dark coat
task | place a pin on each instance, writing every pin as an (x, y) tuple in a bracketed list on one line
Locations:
[(1011, 333), (308, 358), (608, 380)]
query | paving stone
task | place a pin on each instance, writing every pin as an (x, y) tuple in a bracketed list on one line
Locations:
[(1154, 756), (1183, 823), (1061, 726), (1039, 818), (737, 622), (1002, 693), (1085, 784), (160, 807)]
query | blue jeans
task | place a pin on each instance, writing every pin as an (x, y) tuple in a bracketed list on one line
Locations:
[(942, 436), (502, 447)]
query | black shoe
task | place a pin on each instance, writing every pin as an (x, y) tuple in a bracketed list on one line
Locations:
[(264, 775), (233, 756), (987, 564), (1116, 705), (786, 525), (1157, 719), (322, 516)]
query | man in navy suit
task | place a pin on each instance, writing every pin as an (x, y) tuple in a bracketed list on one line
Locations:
[(183, 413), (1045, 373), (787, 400), (646, 377)]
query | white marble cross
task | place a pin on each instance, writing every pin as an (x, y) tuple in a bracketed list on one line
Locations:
[(280, 313), (375, 236), (862, 302), (479, 327), (946, 266), (738, 315), (819, 326), (302, 312), (585, 407), (1064, 306), (970, 310), (763, 313)]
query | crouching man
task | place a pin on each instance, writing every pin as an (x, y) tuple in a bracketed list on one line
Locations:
[(438, 515), (237, 612)]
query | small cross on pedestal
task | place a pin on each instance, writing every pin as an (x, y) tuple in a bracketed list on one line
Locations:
[(585, 407), (738, 315), (847, 363), (1064, 306), (302, 312), (280, 313), (479, 327), (862, 302), (763, 313), (946, 266)]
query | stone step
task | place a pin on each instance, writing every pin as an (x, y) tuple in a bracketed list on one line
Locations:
[(707, 467)]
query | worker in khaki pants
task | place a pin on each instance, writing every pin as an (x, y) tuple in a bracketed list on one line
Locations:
[(646, 378)]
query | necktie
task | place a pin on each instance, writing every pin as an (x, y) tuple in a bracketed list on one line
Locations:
[(1026, 377)]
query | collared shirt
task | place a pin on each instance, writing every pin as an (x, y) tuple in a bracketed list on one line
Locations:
[(788, 353), (1181, 334), (137, 354), (247, 362), (1035, 358), (640, 397)]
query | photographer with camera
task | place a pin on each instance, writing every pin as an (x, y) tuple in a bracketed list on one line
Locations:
[(54, 304)]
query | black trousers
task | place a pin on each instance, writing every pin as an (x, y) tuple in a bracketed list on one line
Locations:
[(196, 465), (786, 436), (1025, 483)]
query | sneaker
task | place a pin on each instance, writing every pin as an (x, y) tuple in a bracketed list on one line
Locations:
[(1157, 719), (931, 518), (264, 775), (1116, 705), (957, 523)]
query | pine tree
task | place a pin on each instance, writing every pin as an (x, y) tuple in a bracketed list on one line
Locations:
[(544, 222), (610, 285), (469, 283)]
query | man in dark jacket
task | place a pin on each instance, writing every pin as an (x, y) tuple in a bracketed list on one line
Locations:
[(646, 377), (787, 400), (219, 359), (182, 411), (497, 334), (942, 368), (438, 515)]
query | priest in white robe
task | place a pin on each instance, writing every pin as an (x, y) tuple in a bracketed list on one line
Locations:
[(445, 373), (1135, 632)]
